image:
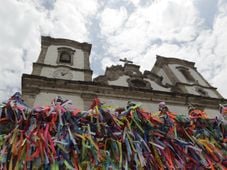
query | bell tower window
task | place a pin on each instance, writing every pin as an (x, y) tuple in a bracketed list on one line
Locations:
[(65, 56)]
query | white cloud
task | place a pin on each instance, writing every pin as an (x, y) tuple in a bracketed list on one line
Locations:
[(175, 28), (135, 2), (24, 21), (107, 62), (112, 20), (219, 63), (136, 29), (18, 24), (69, 19), (166, 21)]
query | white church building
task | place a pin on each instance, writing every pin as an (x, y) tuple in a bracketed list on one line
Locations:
[(63, 69)]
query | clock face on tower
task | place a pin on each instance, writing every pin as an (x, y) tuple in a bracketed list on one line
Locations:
[(63, 73)]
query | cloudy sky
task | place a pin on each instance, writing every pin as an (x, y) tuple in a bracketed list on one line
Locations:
[(194, 30)]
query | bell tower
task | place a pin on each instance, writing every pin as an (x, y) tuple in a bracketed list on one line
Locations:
[(60, 70), (182, 77), (63, 59)]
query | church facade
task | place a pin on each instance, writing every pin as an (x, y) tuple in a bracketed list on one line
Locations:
[(63, 69)]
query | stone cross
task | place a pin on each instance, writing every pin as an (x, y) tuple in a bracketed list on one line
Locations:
[(126, 61)]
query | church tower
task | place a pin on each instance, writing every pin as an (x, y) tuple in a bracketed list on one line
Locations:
[(182, 77), (63, 59), (61, 68)]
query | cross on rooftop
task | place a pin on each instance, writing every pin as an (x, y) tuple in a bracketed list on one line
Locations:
[(126, 61)]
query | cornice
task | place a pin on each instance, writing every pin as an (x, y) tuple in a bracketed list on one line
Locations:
[(160, 60), (47, 41), (197, 85), (32, 82), (61, 65)]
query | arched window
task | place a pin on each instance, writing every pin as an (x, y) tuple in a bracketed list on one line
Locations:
[(65, 56)]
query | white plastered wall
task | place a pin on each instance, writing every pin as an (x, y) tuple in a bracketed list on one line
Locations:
[(181, 77), (51, 59), (156, 86), (151, 107), (52, 54), (49, 72), (165, 80), (45, 98), (121, 81), (212, 113), (192, 90)]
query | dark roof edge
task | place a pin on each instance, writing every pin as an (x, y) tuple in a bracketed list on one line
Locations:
[(47, 40)]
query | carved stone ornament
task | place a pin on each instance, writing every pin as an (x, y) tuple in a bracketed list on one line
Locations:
[(201, 91), (139, 83)]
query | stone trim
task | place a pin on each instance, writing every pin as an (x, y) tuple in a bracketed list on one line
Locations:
[(132, 70), (101, 80), (46, 40), (38, 65), (88, 95), (218, 94), (160, 60), (31, 82), (37, 68), (195, 84), (86, 60), (68, 51), (42, 54), (88, 76), (170, 74), (153, 77), (177, 88), (114, 72)]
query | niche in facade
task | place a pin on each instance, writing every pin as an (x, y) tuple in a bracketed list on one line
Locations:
[(139, 83), (65, 56)]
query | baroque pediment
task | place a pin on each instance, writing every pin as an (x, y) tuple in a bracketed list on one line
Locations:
[(130, 75)]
